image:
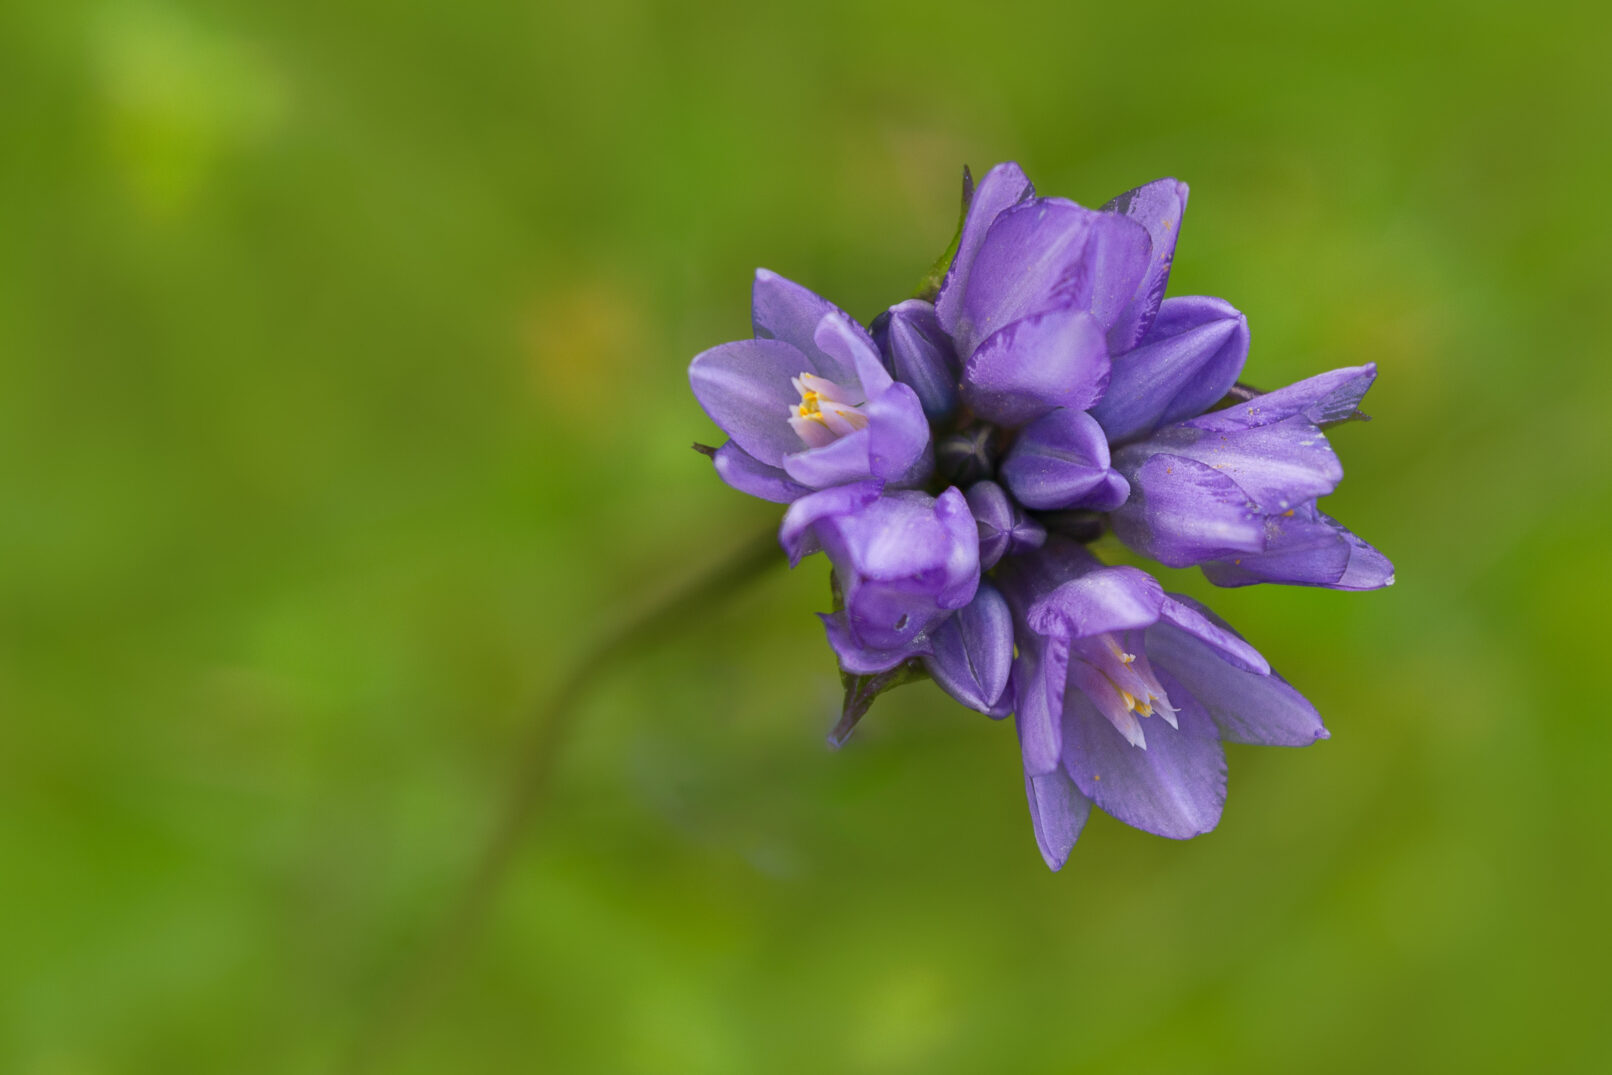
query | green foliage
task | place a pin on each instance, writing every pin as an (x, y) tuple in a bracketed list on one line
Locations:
[(344, 353)]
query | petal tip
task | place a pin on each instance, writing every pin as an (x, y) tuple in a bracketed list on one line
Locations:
[(1054, 861)]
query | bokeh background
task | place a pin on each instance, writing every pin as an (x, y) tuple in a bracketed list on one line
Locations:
[(344, 403)]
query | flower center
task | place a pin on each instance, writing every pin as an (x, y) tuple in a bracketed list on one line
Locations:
[(826, 412), (1112, 670)]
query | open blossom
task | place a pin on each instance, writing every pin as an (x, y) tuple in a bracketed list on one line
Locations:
[(807, 403), (1124, 694), (954, 462)]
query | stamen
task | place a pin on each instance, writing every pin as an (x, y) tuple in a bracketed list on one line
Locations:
[(826, 411), (1120, 682)]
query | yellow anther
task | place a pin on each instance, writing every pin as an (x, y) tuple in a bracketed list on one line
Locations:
[(1141, 707)]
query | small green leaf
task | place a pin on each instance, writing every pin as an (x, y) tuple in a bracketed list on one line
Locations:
[(862, 691), (929, 286)]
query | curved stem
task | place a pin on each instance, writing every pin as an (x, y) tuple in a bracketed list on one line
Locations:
[(440, 957)]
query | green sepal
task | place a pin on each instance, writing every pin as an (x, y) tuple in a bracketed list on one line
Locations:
[(929, 286), (862, 691)]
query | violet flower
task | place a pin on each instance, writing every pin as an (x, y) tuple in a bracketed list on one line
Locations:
[(1235, 490), (807, 403), (904, 562), (1042, 291), (1124, 695), (954, 463)]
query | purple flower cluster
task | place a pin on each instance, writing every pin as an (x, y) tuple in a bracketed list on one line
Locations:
[(955, 461)]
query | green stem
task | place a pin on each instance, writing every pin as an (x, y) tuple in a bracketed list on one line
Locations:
[(441, 957)]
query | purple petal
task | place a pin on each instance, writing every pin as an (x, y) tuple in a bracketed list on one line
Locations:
[(1326, 397), (898, 433), (1039, 727), (888, 617), (1187, 615), (993, 513), (1303, 547), (1248, 708), (1174, 787), (1058, 811), (973, 651), (1189, 360), (748, 474), (1061, 461), (1003, 527), (861, 659), (1182, 512), (1002, 188), (904, 561), (1048, 255), (1368, 569), (746, 389), (962, 568), (1299, 551), (1120, 256), (835, 463), (1054, 676), (1055, 359), (1025, 578), (1158, 206), (795, 533), (1038, 680), (844, 342), (920, 354), (781, 309), (1279, 465), (1104, 599)]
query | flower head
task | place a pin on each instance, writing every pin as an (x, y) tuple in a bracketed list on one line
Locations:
[(955, 463), (807, 403)]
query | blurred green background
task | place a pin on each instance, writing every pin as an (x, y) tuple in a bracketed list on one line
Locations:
[(344, 402)]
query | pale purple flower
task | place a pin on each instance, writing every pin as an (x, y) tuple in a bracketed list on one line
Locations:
[(1123, 695), (904, 562), (1042, 292), (1235, 490), (953, 462), (807, 403)]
